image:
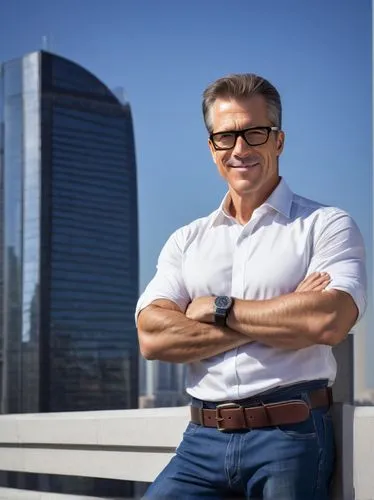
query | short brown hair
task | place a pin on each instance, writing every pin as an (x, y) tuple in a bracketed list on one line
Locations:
[(239, 86)]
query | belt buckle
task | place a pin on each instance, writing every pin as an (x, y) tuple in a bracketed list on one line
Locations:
[(219, 418)]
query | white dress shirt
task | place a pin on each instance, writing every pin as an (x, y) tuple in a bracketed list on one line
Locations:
[(287, 238)]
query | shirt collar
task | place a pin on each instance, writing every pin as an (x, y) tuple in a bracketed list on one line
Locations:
[(280, 200)]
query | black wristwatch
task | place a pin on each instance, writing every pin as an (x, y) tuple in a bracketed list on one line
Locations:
[(222, 306)]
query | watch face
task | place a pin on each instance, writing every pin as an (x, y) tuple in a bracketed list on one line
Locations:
[(223, 302)]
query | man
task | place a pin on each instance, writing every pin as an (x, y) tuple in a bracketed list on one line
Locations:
[(253, 297)]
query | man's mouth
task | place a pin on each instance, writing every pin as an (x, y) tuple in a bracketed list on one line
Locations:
[(245, 166)]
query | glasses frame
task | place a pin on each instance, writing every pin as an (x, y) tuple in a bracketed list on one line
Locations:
[(240, 133)]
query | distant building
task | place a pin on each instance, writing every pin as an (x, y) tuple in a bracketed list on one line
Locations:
[(360, 366), (163, 384), (170, 385), (69, 240)]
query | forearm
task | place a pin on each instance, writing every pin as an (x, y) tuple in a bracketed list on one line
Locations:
[(292, 321), (167, 335)]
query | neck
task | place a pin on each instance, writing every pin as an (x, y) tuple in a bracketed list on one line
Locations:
[(241, 207)]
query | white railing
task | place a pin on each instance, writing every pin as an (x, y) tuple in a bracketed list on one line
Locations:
[(131, 444), (136, 444)]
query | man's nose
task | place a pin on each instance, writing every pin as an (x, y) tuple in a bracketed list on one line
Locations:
[(240, 147)]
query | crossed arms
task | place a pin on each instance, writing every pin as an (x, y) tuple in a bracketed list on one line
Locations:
[(316, 312), (308, 316)]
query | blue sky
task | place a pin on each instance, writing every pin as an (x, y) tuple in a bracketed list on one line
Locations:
[(165, 53)]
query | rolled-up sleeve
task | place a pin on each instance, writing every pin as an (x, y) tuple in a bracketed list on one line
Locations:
[(168, 282), (339, 250)]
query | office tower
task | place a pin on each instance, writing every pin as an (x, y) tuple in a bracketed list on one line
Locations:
[(69, 233)]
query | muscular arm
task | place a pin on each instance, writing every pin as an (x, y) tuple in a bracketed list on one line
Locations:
[(296, 320), (299, 320), (166, 334)]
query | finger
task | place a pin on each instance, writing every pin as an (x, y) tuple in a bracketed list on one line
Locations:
[(316, 277), (320, 287), (313, 281), (321, 279), (311, 277), (309, 280)]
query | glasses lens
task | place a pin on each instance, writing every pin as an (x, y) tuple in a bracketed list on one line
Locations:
[(224, 140), (256, 136)]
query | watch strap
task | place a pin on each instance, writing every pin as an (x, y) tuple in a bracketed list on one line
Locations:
[(220, 319)]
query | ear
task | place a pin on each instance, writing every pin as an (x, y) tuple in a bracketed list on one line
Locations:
[(280, 142), (212, 150)]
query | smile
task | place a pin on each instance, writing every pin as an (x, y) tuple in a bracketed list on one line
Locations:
[(244, 167)]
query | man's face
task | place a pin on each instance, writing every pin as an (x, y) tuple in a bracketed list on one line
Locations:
[(247, 169)]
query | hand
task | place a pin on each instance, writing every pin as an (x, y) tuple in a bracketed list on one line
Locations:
[(201, 309), (315, 282)]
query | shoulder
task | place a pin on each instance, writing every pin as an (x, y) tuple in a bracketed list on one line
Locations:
[(182, 237), (305, 207), (326, 222)]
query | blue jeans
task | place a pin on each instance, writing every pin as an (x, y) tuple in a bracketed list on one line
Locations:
[(288, 462)]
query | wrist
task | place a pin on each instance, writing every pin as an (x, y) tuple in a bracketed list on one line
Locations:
[(239, 318), (230, 318)]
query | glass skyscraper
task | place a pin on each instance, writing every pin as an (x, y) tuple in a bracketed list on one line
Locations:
[(69, 240)]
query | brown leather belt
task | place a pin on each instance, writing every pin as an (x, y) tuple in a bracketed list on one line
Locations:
[(233, 416)]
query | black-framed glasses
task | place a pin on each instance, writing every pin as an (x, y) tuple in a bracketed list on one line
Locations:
[(253, 136)]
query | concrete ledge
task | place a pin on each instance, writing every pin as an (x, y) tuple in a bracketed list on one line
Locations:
[(15, 494), (131, 445), (135, 445), (363, 452), (117, 428)]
